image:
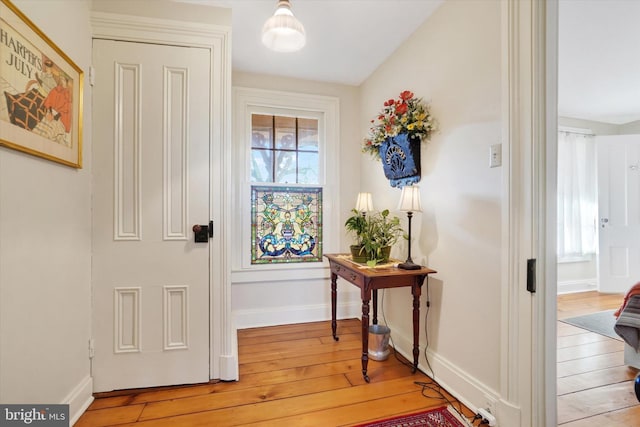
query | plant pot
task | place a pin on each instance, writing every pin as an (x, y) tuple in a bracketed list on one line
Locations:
[(385, 253), (360, 256), (357, 254)]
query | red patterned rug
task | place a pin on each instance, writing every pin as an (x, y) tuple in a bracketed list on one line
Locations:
[(440, 417)]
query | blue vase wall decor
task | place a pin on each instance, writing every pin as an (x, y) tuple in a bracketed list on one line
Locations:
[(400, 156)]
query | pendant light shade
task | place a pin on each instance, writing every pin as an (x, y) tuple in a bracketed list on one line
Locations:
[(283, 32)]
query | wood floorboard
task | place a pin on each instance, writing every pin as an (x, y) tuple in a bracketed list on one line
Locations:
[(593, 379), (595, 387), (588, 364), (230, 399), (627, 417), (289, 375), (295, 362), (585, 337), (595, 401), (590, 349), (284, 351)]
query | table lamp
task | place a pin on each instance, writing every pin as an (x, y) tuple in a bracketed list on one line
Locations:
[(364, 203), (410, 203)]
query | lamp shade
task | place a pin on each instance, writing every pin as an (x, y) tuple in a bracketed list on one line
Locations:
[(410, 199), (364, 202), (283, 32)]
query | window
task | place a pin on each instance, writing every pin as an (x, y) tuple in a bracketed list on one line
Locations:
[(284, 150), (577, 195), (284, 142)]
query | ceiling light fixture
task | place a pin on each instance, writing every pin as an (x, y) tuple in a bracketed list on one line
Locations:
[(283, 32)]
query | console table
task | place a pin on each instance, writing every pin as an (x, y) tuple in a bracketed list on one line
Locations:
[(369, 280)]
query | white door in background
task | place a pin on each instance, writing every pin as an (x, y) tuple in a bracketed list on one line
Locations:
[(619, 212), (150, 186)]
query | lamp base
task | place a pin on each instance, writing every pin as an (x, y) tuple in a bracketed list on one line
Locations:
[(409, 265)]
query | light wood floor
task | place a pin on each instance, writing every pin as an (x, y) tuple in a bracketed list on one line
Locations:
[(296, 375), (293, 375), (595, 387)]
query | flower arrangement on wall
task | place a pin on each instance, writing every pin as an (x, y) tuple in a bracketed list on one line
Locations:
[(405, 115)]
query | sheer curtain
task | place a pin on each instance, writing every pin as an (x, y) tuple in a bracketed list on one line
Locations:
[(577, 195)]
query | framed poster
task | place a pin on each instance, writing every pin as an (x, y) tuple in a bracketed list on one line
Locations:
[(41, 99), (286, 224)]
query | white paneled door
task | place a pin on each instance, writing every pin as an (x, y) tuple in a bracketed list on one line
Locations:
[(151, 163), (619, 212)]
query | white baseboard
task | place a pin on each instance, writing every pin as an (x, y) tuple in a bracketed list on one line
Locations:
[(573, 286), (229, 368), (79, 399), (294, 314)]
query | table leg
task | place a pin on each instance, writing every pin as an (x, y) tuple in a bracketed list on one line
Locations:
[(365, 338), (415, 290), (375, 306), (334, 298)]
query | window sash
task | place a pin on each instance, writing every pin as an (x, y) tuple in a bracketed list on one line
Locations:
[(285, 149)]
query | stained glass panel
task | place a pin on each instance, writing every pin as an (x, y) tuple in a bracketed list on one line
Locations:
[(286, 224)]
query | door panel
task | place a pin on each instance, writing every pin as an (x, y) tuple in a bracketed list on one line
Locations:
[(150, 186), (619, 212)]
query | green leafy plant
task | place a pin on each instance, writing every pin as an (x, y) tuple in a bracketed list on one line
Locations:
[(375, 234), (356, 225)]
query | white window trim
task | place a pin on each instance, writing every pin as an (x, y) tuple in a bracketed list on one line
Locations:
[(326, 109)]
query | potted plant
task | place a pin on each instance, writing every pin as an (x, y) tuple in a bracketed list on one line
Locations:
[(375, 234), (357, 226)]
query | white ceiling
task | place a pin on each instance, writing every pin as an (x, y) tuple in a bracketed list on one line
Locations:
[(346, 39), (599, 60), (599, 67)]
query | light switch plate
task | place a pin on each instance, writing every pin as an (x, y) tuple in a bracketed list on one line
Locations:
[(495, 156)]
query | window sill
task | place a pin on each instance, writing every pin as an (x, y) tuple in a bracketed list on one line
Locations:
[(575, 259)]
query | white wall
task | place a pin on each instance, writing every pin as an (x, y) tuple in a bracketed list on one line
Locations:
[(453, 61), (45, 248), (274, 294)]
